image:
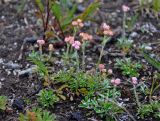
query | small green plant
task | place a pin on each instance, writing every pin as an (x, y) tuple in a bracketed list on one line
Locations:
[(150, 109), (155, 86), (102, 107), (104, 102), (107, 33), (77, 81), (128, 67), (3, 102), (47, 98), (124, 44), (42, 70), (37, 115)]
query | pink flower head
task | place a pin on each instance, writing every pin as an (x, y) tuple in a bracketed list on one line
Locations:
[(81, 24), (105, 26), (50, 47), (74, 23), (110, 71), (41, 42), (101, 67), (112, 81), (103, 70), (125, 8), (77, 22), (134, 80), (86, 36), (76, 45), (108, 32), (116, 82), (69, 39)]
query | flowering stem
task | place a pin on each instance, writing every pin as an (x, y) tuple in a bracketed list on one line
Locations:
[(83, 56), (124, 24), (105, 40), (40, 49), (114, 91), (75, 31), (67, 52), (101, 54), (77, 59), (136, 96), (50, 54)]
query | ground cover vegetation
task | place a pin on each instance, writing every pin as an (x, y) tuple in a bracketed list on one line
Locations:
[(81, 67)]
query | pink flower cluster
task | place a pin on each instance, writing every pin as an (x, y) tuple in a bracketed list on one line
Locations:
[(107, 30), (50, 47), (101, 67), (76, 45), (78, 23), (69, 39), (85, 36), (125, 8), (116, 82), (110, 71), (134, 80), (40, 42)]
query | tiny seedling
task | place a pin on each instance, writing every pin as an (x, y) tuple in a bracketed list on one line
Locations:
[(47, 98)]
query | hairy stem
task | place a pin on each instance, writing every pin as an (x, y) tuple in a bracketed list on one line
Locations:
[(136, 96), (83, 56), (77, 60)]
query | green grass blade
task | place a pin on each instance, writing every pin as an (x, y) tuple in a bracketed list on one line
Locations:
[(152, 61)]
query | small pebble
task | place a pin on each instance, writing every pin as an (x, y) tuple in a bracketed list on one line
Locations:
[(2, 79), (148, 48), (18, 104), (89, 59), (1, 60), (0, 85), (133, 34)]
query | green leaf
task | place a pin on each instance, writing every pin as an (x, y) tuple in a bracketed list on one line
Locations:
[(40, 5), (156, 5), (3, 102), (69, 17), (56, 9), (89, 10), (64, 3), (152, 61)]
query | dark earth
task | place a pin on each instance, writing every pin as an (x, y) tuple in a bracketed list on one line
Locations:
[(17, 24)]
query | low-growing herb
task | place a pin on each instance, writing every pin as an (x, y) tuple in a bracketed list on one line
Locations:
[(37, 114), (128, 67), (47, 98)]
